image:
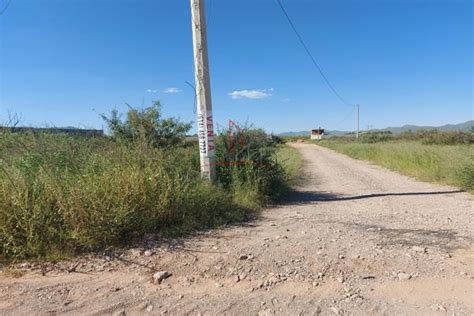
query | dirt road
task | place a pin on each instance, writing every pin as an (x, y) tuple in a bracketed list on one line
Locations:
[(353, 239)]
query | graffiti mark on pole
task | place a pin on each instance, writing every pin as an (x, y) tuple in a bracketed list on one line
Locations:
[(202, 134)]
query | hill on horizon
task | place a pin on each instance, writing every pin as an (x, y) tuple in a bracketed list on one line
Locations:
[(463, 127)]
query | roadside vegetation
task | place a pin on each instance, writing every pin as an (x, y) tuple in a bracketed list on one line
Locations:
[(443, 157), (61, 195), (291, 161)]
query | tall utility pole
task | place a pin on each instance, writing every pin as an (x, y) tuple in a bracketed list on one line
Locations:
[(357, 132), (203, 92)]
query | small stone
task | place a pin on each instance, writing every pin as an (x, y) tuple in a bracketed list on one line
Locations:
[(340, 279), (119, 313), (402, 276), (341, 257), (25, 265), (149, 308), (149, 253), (442, 308), (219, 284), (273, 280), (243, 257), (160, 276), (237, 279)]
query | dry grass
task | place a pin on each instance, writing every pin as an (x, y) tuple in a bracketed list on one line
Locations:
[(446, 164), (60, 195)]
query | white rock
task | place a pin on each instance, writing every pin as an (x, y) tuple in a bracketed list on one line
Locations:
[(25, 265), (404, 276), (149, 253), (160, 276)]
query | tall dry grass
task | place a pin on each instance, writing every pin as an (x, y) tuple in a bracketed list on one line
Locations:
[(447, 164), (61, 195)]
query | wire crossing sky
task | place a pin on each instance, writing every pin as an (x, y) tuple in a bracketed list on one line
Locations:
[(404, 62), (311, 55)]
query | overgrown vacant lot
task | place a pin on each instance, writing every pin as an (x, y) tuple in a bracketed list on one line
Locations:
[(60, 195), (440, 158)]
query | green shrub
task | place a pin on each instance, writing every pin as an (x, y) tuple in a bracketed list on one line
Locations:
[(52, 202), (375, 137), (435, 137), (466, 176), (146, 127), (246, 161), (60, 194)]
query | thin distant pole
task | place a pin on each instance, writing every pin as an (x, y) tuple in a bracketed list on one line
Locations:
[(357, 132), (203, 92)]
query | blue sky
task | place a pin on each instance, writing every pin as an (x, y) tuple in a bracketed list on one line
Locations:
[(405, 62)]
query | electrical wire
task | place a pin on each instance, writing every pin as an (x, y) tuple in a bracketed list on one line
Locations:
[(195, 95), (6, 7), (338, 124), (318, 67)]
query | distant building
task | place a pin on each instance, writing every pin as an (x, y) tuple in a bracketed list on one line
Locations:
[(57, 130), (317, 133)]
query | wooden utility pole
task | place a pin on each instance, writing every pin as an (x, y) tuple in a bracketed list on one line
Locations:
[(357, 132), (203, 92)]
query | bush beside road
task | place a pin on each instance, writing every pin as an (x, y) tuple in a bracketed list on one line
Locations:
[(61, 194)]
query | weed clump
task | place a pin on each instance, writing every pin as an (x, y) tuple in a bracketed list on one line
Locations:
[(61, 194)]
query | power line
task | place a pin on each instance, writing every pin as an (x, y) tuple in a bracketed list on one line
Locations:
[(6, 7), (195, 95), (300, 38), (338, 124)]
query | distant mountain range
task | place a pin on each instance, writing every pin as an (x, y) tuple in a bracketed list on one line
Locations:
[(465, 127), (306, 133)]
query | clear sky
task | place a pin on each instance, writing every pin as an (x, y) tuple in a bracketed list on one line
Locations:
[(403, 61)]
